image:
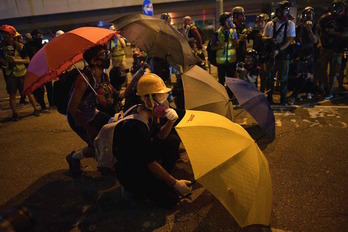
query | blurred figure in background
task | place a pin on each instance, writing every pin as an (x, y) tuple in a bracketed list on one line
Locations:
[(118, 55), (59, 32), (239, 22), (13, 58), (33, 47)]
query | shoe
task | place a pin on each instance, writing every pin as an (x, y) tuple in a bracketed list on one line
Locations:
[(328, 96), (74, 164), (45, 111), (299, 98), (37, 113), (15, 117), (309, 96), (291, 100), (340, 89), (284, 103), (23, 102)]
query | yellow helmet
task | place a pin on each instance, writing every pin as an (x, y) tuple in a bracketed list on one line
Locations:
[(150, 83)]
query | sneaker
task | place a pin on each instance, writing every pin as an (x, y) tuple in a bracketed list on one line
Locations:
[(15, 117), (299, 98), (309, 96), (45, 111), (328, 96), (37, 113), (291, 100), (74, 164)]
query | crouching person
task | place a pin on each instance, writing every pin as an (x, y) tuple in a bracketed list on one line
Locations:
[(136, 168)]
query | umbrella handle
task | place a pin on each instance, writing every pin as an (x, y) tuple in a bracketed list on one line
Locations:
[(84, 77)]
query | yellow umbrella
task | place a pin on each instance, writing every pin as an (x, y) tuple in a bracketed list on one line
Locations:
[(228, 163), (203, 92)]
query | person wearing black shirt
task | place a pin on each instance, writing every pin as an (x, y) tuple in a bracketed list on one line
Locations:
[(136, 151), (307, 38), (333, 30)]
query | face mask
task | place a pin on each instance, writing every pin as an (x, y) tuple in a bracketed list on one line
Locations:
[(159, 111), (104, 57), (105, 63)]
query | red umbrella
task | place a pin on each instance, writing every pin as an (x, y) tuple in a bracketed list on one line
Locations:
[(61, 53)]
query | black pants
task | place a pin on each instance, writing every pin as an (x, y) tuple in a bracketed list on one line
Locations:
[(145, 184), (39, 95), (166, 151), (226, 70)]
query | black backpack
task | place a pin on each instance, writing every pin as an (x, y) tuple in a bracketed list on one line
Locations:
[(202, 35), (62, 89), (211, 54)]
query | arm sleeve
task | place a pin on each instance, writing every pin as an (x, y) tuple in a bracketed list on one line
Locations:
[(268, 31), (197, 36), (291, 30)]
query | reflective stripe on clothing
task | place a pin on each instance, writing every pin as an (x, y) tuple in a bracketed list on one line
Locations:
[(117, 51), (226, 54)]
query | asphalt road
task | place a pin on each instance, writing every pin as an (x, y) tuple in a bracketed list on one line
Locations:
[(307, 161)]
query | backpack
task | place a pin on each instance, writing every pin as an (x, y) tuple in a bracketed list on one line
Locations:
[(211, 54), (202, 34), (103, 143), (62, 89)]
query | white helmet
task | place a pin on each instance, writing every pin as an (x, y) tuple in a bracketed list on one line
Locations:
[(112, 27), (59, 32)]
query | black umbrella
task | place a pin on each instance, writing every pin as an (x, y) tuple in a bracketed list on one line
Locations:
[(157, 38)]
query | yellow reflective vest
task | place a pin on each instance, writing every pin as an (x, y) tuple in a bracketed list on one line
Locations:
[(117, 51), (226, 54), (17, 70)]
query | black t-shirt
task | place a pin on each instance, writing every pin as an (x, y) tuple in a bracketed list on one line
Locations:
[(342, 26), (132, 148), (302, 36)]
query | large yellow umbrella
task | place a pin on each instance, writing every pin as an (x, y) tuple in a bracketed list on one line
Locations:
[(228, 163), (203, 92)]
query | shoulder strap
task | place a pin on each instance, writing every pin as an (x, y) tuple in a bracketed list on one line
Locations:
[(276, 32)]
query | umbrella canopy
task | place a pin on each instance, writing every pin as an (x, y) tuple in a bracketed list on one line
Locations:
[(254, 102), (61, 53), (203, 92), (228, 163), (156, 37)]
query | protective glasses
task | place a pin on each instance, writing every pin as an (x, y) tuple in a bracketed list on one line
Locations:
[(103, 55)]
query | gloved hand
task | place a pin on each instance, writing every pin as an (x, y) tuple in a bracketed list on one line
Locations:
[(181, 186), (139, 73), (171, 114)]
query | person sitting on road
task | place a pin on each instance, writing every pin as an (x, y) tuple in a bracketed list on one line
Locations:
[(136, 151), (83, 116), (249, 70)]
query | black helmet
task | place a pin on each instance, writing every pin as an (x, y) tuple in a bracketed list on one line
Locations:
[(166, 17), (262, 17), (253, 53), (223, 17), (284, 5), (337, 8), (308, 14), (281, 7)]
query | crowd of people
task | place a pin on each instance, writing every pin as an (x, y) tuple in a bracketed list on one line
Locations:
[(281, 49), (146, 148), (15, 55)]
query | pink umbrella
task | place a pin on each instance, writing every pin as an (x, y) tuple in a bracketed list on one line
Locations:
[(61, 53)]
